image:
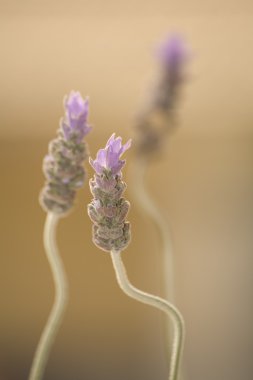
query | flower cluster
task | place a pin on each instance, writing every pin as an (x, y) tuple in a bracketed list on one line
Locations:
[(63, 166), (157, 119), (172, 55), (108, 209)]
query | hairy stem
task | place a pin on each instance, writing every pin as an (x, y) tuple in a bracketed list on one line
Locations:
[(159, 303), (55, 317)]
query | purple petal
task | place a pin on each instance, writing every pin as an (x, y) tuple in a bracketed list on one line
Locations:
[(75, 104), (96, 166), (76, 113), (111, 158), (126, 146), (101, 157), (118, 166), (111, 139), (116, 145)]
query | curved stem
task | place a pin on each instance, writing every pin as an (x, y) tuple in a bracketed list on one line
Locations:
[(158, 303), (149, 207), (54, 320)]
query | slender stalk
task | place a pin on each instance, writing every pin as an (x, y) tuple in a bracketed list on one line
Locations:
[(148, 205), (159, 303), (55, 317)]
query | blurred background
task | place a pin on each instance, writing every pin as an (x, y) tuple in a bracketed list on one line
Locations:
[(203, 184)]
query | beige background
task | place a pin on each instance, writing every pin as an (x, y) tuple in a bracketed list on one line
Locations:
[(204, 184)]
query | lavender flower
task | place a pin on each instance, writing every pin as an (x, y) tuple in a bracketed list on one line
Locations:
[(157, 119), (108, 158), (173, 53), (74, 125), (63, 165), (109, 209)]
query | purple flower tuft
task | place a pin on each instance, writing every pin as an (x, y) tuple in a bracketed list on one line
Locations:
[(63, 165), (173, 52), (108, 209), (76, 113), (108, 159), (158, 116)]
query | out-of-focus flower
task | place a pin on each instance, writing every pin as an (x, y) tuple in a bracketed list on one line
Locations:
[(173, 53), (108, 159), (157, 119), (109, 209), (63, 166)]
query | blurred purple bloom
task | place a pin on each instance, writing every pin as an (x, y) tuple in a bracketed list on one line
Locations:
[(76, 113), (173, 52), (108, 159)]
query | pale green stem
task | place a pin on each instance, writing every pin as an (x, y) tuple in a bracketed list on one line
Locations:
[(148, 205), (145, 201), (61, 293), (159, 303)]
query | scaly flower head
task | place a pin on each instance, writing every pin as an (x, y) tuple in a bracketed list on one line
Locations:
[(108, 159), (76, 113), (108, 209), (63, 165)]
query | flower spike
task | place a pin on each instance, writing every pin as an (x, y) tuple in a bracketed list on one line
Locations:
[(63, 166), (108, 209), (157, 119)]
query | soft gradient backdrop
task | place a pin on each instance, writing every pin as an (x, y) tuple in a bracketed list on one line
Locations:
[(203, 183)]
